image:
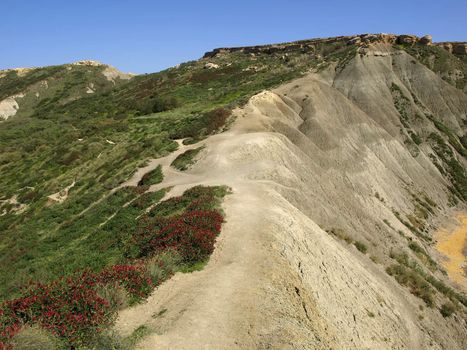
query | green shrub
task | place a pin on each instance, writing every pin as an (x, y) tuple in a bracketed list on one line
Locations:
[(447, 309), (361, 246), (163, 265), (164, 104), (115, 295), (108, 340), (186, 159), (415, 137), (151, 178), (138, 334), (341, 234), (423, 256), (455, 170), (417, 285), (386, 221), (416, 248), (403, 259)]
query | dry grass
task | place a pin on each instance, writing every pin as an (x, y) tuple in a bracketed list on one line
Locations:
[(35, 338)]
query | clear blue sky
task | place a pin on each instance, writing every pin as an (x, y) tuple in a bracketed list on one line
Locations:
[(147, 36)]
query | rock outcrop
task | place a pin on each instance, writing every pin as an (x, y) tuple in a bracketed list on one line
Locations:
[(459, 48), (9, 106), (309, 45), (426, 40), (88, 63), (211, 65), (407, 39)]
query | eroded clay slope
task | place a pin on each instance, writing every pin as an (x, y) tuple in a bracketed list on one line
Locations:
[(304, 159)]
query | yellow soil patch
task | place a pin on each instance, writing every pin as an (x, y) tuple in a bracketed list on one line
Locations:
[(451, 244)]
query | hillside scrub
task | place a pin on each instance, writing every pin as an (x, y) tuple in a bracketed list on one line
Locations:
[(439, 60), (78, 306), (98, 140), (454, 169), (186, 159), (362, 247), (408, 273), (151, 178), (84, 232), (416, 283)]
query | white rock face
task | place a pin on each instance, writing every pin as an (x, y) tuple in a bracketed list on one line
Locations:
[(211, 65), (90, 88), (88, 63), (112, 74), (9, 107)]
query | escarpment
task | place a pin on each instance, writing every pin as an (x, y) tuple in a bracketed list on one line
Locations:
[(362, 39)]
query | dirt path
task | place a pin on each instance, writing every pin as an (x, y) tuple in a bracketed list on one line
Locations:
[(219, 292), (154, 163)]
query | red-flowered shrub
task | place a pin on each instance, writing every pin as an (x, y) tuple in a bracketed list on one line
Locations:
[(71, 310), (133, 278), (10, 325), (192, 234), (204, 219), (71, 307)]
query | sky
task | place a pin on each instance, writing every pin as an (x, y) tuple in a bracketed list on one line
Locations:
[(142, 36)]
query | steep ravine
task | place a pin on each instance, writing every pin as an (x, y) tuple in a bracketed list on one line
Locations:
[(324, 152)]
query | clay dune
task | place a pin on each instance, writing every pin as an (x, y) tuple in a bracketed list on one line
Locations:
[(304, 158)]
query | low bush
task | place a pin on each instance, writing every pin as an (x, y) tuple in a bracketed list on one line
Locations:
[(115, 294), (164, 104), (199, 126), (163, 265), (341, 234), (416, 248), (447, 309), (404, 260), (186, 159), (361, 246), (71, 308), (216, 119), (151, 178), (415, 282), (423, 256), (192, 234)]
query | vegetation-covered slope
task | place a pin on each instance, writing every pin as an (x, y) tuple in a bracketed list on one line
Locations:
[(98, 140)]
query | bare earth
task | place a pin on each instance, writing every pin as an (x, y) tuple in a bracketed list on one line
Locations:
[(452, 244)]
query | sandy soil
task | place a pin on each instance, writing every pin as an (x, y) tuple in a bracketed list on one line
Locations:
[(452, 243)]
